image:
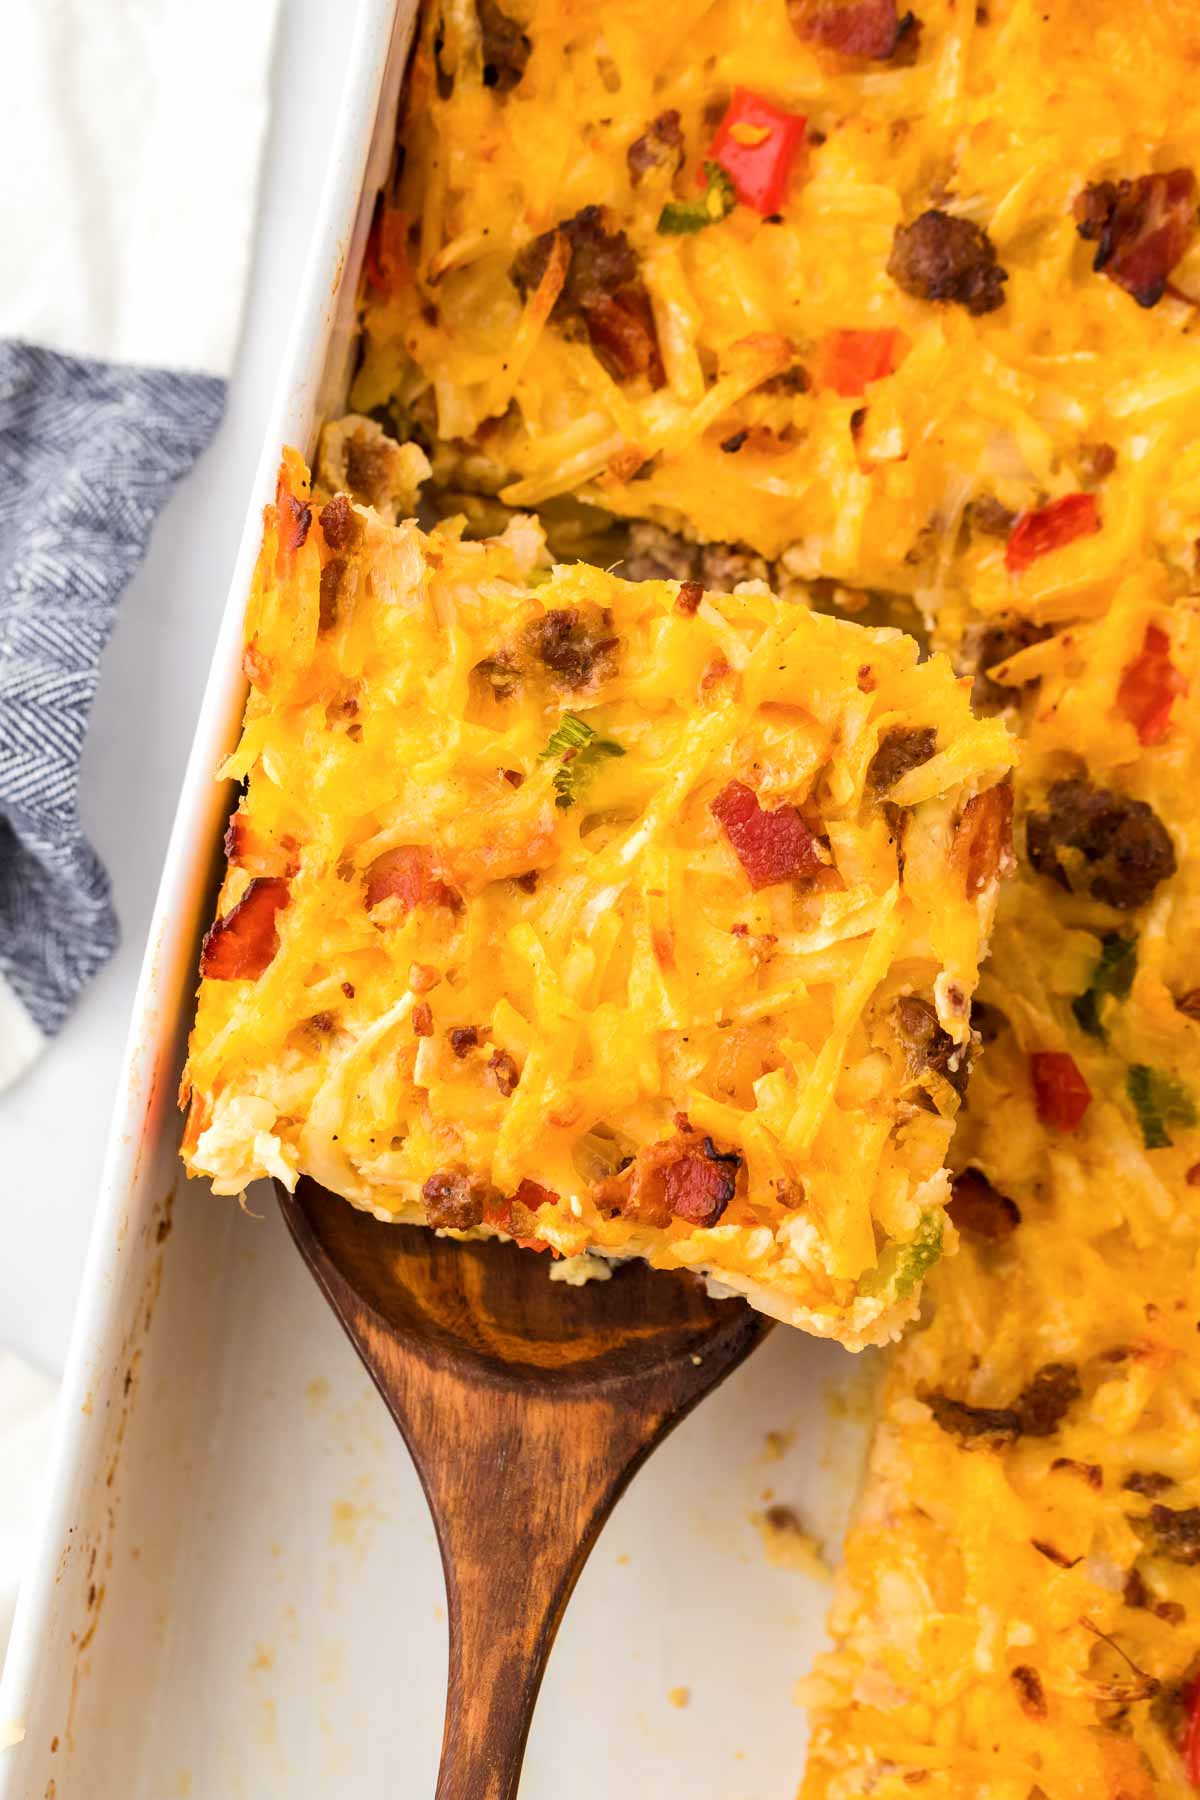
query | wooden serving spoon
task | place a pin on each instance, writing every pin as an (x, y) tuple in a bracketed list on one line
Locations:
[(527, 1406)]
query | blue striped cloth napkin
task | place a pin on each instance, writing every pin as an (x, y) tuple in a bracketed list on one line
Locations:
[(127, 216)]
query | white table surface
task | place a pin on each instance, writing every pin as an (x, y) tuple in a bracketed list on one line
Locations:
[(53, 1124)]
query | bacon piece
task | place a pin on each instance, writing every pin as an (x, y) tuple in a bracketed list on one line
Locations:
[(517, 1214), (699, 1185), (983, 838), (409, 875), (688, 599), (242, 944), (463, 1038), (620, 328), (771, 846), (852, 27), (1060, 1093), (1049, 528), (422, 1019), (1149, 687), (850, 359), (1140, 228), (684, 1177)]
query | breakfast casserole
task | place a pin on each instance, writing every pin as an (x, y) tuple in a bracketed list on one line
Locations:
[(843, 309), (622, 919)]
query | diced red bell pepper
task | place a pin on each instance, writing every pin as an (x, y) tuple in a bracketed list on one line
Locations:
[(756, 145), (1060, 1093), (1037, 533), (850, 359), (1149, 686), (1189, 1747)]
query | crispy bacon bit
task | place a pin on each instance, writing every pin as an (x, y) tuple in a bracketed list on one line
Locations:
[(1049, 528), (340, 525), (901, 749), (699, 1187), (1149, 687), (1125, 848), (505, 1071), (659, 147), (422, 1019), (942, 257), (528, 882), (601, 289), (422, 977), (463, 1038), (409, 874), (577, 643), (453, 1202), (684, 1177), (771, 846), (1031, 1695), (983, 838), (1140, 228), (1060, 1093), (348, 989), (849, 360), (981, 1210), (513, 777), (517, 1214), (688, 599), (621, 329), (869, 28), (242, 944)]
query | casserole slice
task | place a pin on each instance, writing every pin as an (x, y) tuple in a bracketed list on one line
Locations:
[(622, 919)]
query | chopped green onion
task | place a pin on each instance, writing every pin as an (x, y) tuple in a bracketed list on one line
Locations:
[(679, 217), (574, 740), (1157, 1098), (572, 733), (901, 1266), (1113, 974)]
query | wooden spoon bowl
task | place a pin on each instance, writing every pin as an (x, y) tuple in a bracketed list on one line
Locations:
[(527, 1405)]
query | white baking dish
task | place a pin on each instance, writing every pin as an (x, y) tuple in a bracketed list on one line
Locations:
[(237, 1590)]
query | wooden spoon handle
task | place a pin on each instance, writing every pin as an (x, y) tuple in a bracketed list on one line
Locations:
[(516, 1520)]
